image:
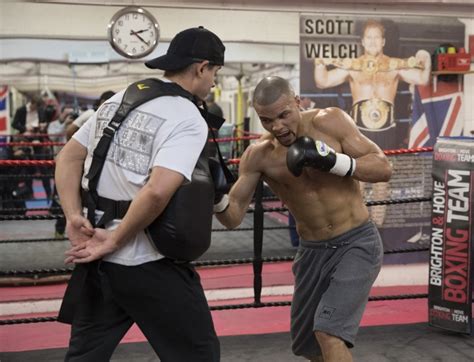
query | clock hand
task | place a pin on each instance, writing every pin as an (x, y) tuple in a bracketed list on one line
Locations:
[(139, 31), (139, 37)]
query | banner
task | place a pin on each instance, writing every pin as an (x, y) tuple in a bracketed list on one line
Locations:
[(451, 265), (4, 118), (436, 114), (378, 70)]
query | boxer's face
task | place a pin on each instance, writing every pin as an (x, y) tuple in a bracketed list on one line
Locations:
[(373, 41), (281, 118)]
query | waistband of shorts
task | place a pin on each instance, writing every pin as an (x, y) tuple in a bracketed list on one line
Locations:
[(338, 241)]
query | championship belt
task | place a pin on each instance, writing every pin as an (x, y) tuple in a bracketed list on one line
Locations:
[(373, 114), (372, 65)]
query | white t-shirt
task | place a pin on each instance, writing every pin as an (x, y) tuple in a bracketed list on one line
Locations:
[(56, 128), (32, 120), (83, 117), (166, 131)]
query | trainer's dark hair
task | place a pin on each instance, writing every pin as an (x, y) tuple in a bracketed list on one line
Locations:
[(270, 89), (106, 95)]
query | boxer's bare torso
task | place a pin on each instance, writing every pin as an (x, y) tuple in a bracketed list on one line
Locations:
[(324, 205)]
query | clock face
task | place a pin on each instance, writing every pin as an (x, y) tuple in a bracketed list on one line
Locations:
[(133, 32)]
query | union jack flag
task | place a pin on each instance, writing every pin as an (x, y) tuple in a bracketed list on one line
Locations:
[(436, 114), (4, 109)]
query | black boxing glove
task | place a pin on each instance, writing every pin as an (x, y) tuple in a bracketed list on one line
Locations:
[(306, 152), (221, 187)]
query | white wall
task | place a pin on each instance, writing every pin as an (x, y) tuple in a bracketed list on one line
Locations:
[(267, 35)]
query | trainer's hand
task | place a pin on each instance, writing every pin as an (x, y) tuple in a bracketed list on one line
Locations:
[(78, 229), (221, 187), (96, 247), (306, 152)]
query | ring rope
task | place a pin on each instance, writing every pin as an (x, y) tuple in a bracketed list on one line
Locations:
[(34, 135), (408, 150), (13, 241), (249, 211), (235, 161), (30, 217), (21, 163), (203, 263), (225, 307), (31, 144), (26, 177), (25, 209), (230, 161)]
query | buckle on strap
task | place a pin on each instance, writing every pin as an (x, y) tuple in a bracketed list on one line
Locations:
[(109, 131)]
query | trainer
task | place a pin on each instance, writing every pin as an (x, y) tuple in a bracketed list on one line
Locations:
[(152, 155)]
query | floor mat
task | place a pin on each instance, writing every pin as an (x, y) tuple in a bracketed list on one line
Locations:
[(413, 342)]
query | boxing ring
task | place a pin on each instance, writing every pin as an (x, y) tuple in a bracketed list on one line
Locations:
[(246, 275)]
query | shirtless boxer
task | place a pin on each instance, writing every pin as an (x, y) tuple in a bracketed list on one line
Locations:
[(340, 251)]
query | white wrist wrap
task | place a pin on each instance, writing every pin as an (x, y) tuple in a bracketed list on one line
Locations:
[(222, 205), (344, 166)]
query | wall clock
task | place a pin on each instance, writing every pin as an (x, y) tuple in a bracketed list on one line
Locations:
[(133, 32)]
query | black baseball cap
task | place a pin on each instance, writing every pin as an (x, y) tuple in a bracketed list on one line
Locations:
[(190, 46)]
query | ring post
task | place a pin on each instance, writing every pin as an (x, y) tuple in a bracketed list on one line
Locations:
[(258, 244)]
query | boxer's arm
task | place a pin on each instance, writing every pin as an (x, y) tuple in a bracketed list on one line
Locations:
[(418, 76), (242, 191), (328, 78), (372, 164)]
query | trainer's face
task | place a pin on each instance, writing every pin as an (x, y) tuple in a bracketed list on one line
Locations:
[(207, 80), (373, 41), (281, 118)]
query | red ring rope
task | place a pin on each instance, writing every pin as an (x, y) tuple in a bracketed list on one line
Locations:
[(233, 161)]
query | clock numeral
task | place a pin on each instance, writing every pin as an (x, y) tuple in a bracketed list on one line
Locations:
[(135, 16), (134, 50), (127, 17), (120, 23), (152, 34), (117, 31), (125, 46), (143, 48), (119, 40)]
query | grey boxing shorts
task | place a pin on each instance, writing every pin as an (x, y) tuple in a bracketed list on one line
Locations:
[(333, 279)]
